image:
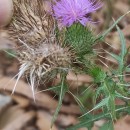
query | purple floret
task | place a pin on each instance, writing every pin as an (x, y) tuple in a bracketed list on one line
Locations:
[(68, 12)]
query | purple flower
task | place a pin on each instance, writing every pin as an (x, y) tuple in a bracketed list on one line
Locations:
[(68, 12)]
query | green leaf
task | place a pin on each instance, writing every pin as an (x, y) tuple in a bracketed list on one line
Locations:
[(107, 126), (55, 89), (102, 36), (63, 90), (99, 91), (122, 54), (10, 53), (122, 96), (98, 74), (127, 69), (79, 102), (99, 105), (111, 107), (116, 57), (94, 118), (123, 43), (87, 120)]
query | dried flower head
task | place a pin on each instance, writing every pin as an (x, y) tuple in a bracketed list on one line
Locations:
[(43, 62), (40, 54), (69, 11)]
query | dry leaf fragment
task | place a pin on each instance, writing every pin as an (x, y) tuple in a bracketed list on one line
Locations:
[(22, 101), (42, 99), (66, 120), (44, 121), (9, 115), (20, 121), (4, 102), (123, 124)]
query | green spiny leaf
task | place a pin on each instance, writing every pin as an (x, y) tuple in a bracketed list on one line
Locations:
[(94, 118), (79, 102), (111, 107), (98, 74), (123, 52), (123, 43), (107, 126), (102, 36), (99, 105), (55, 89), (116, 57), (63, 90)]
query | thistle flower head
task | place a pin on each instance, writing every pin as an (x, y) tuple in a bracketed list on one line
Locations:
[(68, 12), (41, 55)]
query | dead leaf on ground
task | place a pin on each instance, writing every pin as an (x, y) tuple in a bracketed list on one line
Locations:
[(123, 124), (66, 120), (15, 118), (42, 99), (9, 115), (5, 101), (22, 101), (44, 121)]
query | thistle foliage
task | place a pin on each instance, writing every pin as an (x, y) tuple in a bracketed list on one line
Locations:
[(110, 86)]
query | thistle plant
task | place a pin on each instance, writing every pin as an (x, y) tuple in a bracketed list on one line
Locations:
[(46, 50)]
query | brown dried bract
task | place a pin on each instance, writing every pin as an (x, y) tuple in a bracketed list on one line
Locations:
[(31, 23)]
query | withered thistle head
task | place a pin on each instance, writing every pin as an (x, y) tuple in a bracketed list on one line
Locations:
[(40, 54)]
